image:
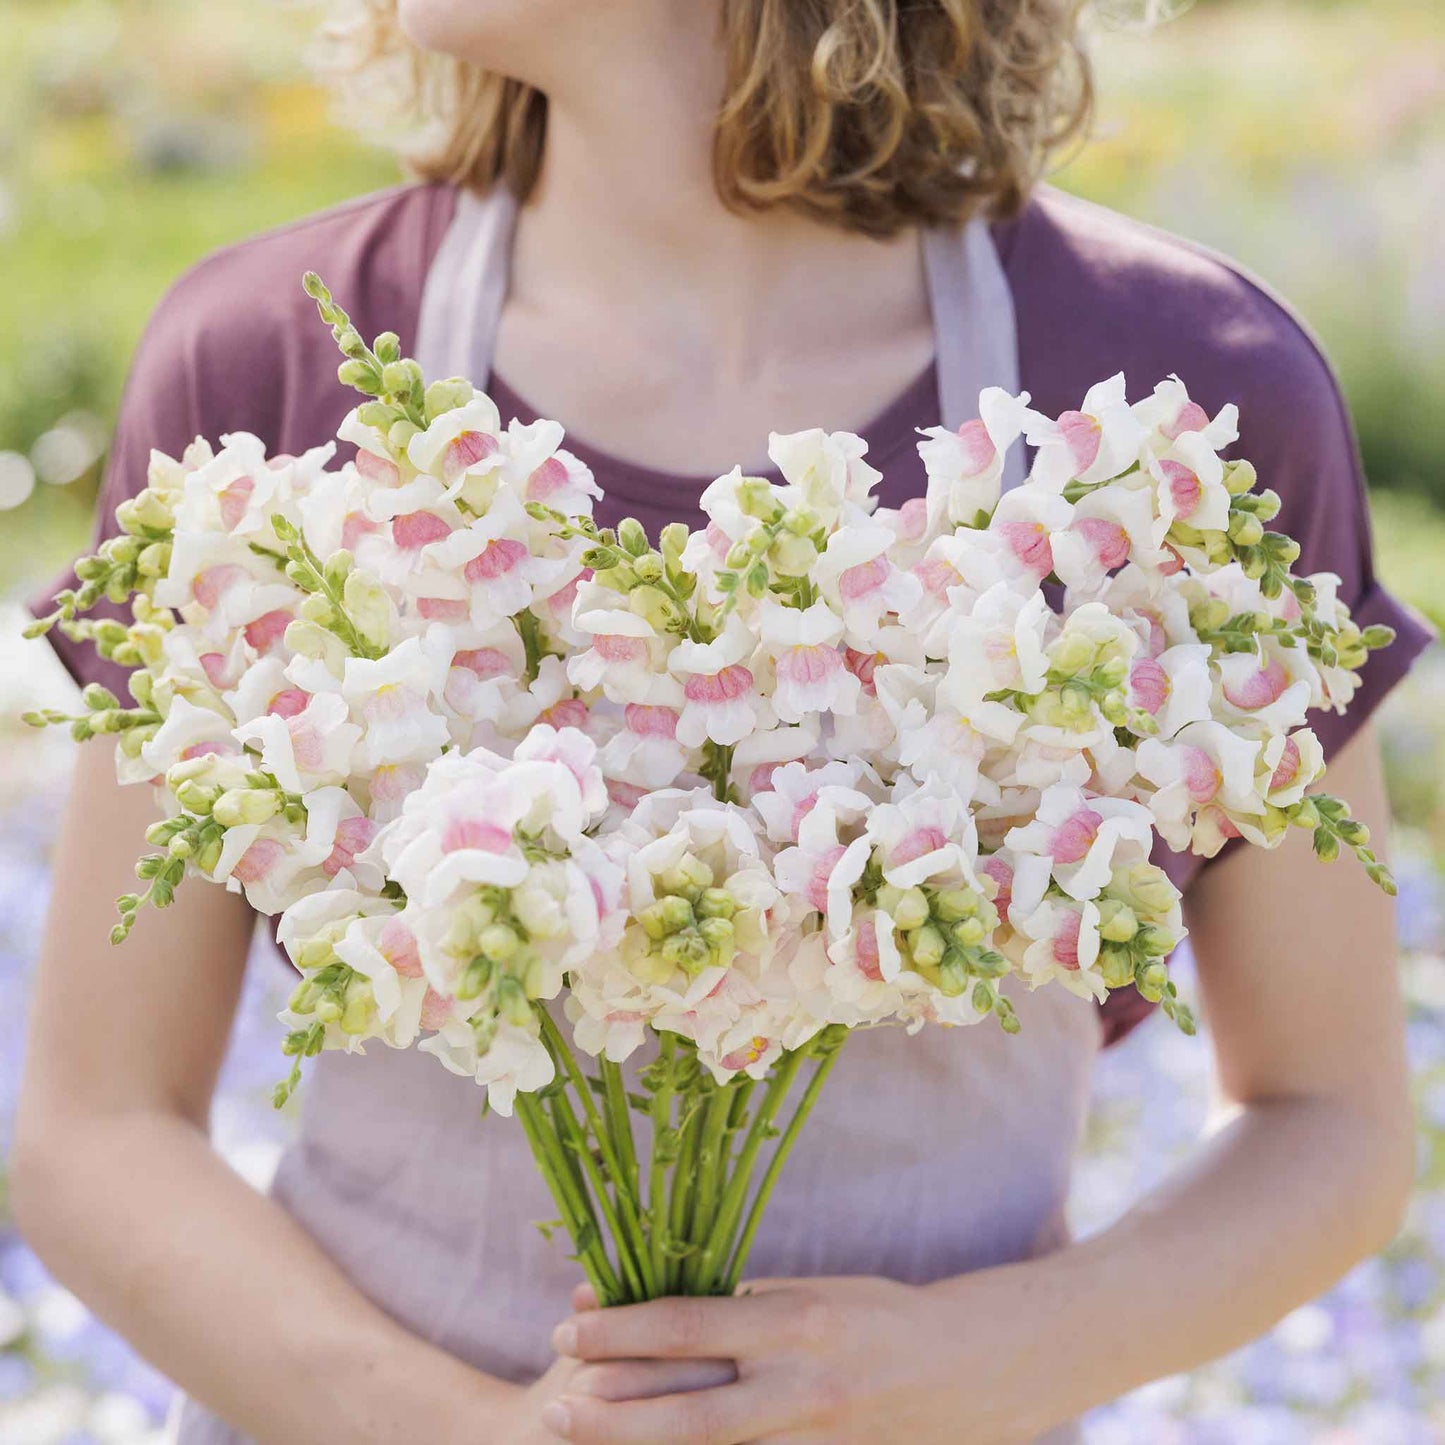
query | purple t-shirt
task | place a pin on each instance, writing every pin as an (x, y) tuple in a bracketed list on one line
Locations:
[(235, 346)]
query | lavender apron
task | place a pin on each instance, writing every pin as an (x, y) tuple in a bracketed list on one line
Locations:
[(926, 1157)]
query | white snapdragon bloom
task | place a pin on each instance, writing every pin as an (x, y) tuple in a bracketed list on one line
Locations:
[(461, 443), (515, 1060), (1189, 482), (644, 750), (965, 467), (1168, 413), (1174, 689), (188, 732), (494, 558), (395, 698), (1109, 528), (305, 750), (1091, 445), (538, 469), (809, 672), (860, 582), (1270, 689), (1203, 781), (996, 645), (825, 473), (1084, 838), (721, 701), (627, 655)]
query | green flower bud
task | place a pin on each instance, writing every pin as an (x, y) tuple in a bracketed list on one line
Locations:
[(1152, 980), (307, 639), (911, 910), (757, 499), (1116, 966), (315, 608), (1118, 923), (632, 536), (448, 395), (952, 976), (1072, 654), (398, 438), (969, 933), (686, 950), (793, 556), (1377, 635), (400, 378), (155, 560), (359, 1012), (716, 903), (927, 946), (716, 932), (1327, 846), (197, 798), (956, 903), (328, 1009), (673, 540), (360, 376), (498, 942), (208, 859), (1246, 530), (1239, 477), (649, 567)]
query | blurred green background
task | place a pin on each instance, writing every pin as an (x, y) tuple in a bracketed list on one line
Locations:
[(1306, 138)]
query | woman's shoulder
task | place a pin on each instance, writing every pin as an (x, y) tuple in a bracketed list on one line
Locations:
[(235, 334), (1098, 292)]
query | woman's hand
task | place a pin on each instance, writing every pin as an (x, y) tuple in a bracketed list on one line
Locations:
[(835, 1360)]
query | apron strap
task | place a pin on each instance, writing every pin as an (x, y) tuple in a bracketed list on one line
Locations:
[(975, 331), (974, 328), (461, 302)]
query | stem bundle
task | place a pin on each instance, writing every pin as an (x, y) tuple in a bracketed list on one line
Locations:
[(686, 1222)]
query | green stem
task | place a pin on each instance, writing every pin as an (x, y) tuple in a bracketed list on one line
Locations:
[(577, 1216), (714, 1141), (661, 1114), (623, 1242), (684, 1187), (830, 1045), (625, 1222), (719, 1244)]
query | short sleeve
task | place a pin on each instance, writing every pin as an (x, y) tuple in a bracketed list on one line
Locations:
[(157, 412)]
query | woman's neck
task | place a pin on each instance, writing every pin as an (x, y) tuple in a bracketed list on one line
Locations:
[(626, 250)]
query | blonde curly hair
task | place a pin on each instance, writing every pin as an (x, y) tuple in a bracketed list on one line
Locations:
[(872, 115)]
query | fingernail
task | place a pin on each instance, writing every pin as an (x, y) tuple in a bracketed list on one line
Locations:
[(558, 1419), (564, 1338)]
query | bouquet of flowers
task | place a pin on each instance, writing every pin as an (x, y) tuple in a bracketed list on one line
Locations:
[(525, 791)]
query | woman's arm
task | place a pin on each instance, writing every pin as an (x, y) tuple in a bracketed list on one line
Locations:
[(1307, 1173), (115, 1184)]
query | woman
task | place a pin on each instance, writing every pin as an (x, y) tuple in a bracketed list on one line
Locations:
[(732, 216)]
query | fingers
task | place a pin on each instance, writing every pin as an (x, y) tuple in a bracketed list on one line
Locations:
[(686, 1328), (728, 1416), (647, 1379), (584, 1298)]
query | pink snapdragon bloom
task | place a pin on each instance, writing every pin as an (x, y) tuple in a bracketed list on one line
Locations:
[(1090, 445), (459, 444), (396, 699), (309, 749), (996, 645), (1203, 776), (1169, 413), (860, 582), (965, 467), (1083, 838), (720, 697), (809, 674)]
